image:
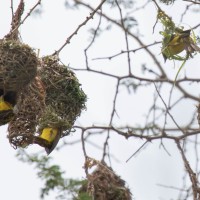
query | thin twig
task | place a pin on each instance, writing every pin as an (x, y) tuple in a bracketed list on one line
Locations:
[(167, 110), (138, 150), (27, 15), (172, 187), (165, 149), (126, 37), (84, 151), (31, 10), (192, 1), (12, 9), (111, 119), (129, 51), (115, 22), (192, 175), (92, 41), (80, 25)]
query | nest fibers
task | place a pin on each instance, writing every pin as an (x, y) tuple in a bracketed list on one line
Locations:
[(103, 183), (18, 65), (29, 108), (64, 97)]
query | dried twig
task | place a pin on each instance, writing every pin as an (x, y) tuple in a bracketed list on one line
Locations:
[(192, 175), (195, 2), (27, 15), (80, 25)]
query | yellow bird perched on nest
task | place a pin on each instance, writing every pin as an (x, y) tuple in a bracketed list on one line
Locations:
[(5, 105), (177, 43), (52, 137), (7, 102), (8, 99), (6, 111)]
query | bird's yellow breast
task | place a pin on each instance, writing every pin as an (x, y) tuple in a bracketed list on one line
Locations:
[(49, 134), (175, 46), (5, 105)]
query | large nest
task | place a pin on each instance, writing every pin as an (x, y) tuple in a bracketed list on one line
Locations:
[(104, 184), (29, 108), (18, 65), (64, 97)]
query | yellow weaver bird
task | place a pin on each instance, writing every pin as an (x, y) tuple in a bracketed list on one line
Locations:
[(9, 98), (52, 136), (5, 105), (176, 44), (6, 111)]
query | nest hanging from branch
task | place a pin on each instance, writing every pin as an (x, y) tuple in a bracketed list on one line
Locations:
[(18, 65), (18, 61), (64, 97), (103, 183), (54, 101), (30, 106)]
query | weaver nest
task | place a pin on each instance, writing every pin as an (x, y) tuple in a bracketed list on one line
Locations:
[(18, 65), (102, 184), (64, 97), (52, 99), (29, 108)]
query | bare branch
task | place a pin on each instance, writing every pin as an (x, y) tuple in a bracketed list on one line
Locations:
[(80, 25), (192, 175)]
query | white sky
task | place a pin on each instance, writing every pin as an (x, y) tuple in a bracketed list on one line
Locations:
[(152, 166)]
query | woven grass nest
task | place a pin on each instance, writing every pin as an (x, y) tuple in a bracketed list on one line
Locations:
[(52, 99), (18, 65), (47, 94), (104, 184), (30, 106), (64, 97)]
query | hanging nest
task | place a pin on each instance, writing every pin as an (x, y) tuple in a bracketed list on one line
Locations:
[(7, 102), (103, 184), (18, 65), (29, 108), (18, 61), (64, 97)]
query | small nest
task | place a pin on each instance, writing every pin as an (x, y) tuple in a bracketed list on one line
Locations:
[(18, 65), (64, 97), (30, 105), (104, 184)]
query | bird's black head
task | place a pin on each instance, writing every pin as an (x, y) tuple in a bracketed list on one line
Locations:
[(10, 97)]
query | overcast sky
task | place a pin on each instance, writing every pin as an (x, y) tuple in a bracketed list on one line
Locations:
[(152, 166)]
